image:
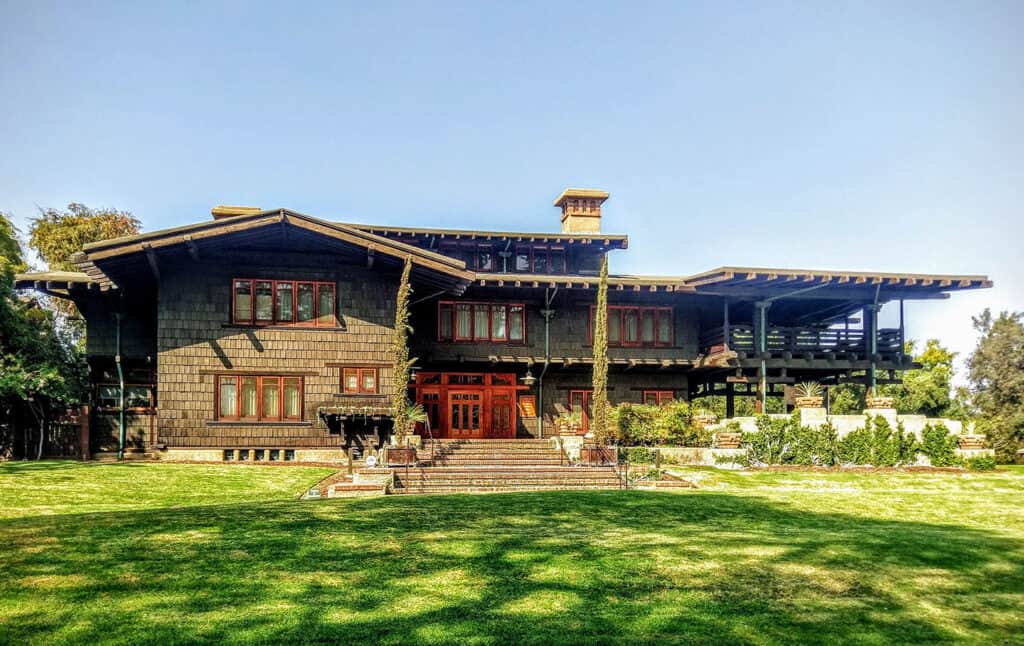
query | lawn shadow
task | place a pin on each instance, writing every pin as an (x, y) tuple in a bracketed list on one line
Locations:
[(559, 567)]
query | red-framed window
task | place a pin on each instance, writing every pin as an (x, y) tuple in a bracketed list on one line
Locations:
[(637, 326), (539, 259), (469, 321), (581, 402), (259, 398), (658, 397), (261, 301), (360, 381)]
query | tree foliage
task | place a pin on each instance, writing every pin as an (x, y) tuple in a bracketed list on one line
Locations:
[(40, 369), (57, 235), (401, 364), (600, 395), (927, 390), (997, 380)]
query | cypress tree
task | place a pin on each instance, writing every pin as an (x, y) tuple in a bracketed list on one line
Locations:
[(600, 395), (400, 357)]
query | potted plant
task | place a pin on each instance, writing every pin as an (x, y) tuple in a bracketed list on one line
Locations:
[(414, 414), (808, 395), (569, 422), (875, 401)]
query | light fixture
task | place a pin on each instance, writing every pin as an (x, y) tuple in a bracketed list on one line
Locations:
[(528, 379)]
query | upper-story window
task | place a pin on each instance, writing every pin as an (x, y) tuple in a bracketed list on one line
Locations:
[(479, 321), (358, 380), (258, 301), (540, 259), (523, 258), (637, 326)]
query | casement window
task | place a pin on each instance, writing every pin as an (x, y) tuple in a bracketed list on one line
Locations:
[(136, 396), (637, 326), (359, 381), (658, 397), (540, 259), (259, 398), (268, 302), (490, 322)]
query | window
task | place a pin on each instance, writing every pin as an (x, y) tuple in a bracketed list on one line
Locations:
[(485, 258), (495, 322), (265, 302), (135, 396), (359, 380), (259, 398), (658, 397), (540, 259), (637, 326)]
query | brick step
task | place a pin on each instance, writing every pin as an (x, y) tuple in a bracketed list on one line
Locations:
[(496, 481), (503, 477), (453, 461)]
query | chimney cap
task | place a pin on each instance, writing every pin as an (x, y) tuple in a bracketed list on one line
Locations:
[(227, 211), (578, 193)]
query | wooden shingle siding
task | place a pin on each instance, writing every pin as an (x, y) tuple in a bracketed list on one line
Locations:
[(197, 341)]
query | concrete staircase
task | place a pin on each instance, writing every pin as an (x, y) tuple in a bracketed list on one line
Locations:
[(497, 465)]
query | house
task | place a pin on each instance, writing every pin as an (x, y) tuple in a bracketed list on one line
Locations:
[(264, 334)]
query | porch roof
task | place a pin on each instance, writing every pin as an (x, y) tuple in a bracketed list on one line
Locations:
[(826, 284)]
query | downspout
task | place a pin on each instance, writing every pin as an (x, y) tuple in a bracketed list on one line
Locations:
[(547, 312), (874, 337), (120, 384)]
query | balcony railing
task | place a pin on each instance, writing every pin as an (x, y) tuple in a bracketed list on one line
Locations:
[(801, 340)]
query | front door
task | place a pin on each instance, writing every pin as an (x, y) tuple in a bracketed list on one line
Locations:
[(501, 415), (464, 413)]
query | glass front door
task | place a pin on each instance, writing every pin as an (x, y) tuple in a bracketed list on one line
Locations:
[(464, 408)]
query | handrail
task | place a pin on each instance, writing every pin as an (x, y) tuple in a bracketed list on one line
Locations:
[(780, 338)]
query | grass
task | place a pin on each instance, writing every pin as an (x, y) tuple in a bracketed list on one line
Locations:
[(185, 553)]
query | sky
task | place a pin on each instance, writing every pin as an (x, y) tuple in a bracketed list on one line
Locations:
[(884, 136)]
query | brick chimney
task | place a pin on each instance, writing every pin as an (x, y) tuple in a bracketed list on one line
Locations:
[(222, 211), (581, 209)]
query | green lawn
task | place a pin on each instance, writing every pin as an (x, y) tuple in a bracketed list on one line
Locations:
[(183, 553)]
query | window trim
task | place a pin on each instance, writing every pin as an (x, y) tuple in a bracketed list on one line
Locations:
[(453, 311), (620, 310), (260, 418), (668, 396), (275, 315), (359, 371)]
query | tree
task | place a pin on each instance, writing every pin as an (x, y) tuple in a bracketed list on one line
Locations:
[(928, 390), (401, 363), (600, 395), (57, 235), (997, 380), (40, 371)]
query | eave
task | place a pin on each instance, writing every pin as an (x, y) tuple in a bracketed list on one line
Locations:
[(611, 241)]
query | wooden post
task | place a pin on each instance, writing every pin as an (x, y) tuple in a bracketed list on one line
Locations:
[(730, 400), (83, 433), (725, 322), (351, 458), (657, 459)]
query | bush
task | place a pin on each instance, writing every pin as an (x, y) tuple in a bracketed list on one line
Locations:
[(786, 441), (815, 446), (647, 425), (876, 444), (982, 463), (637, 455), (939, 445)]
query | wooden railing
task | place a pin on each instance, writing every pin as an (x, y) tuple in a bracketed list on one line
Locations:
[(599, 456), (800, 340)]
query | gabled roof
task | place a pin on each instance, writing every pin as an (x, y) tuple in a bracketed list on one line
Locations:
[(97, 255), (612, 240)]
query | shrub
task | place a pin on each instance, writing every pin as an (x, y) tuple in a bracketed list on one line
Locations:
[(877, 444), (814, 445), (637, 455), (982, 463), (646, 425), (768, 444), (939, 445)]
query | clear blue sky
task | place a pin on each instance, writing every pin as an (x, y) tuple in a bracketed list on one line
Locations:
[(886, 136)]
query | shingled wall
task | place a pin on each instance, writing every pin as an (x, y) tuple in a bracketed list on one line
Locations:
[(197, 341)]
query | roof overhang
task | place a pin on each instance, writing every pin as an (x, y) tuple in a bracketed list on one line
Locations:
[(606, 240), (102, 261), (764, 282), (61, 284), (615, 282)]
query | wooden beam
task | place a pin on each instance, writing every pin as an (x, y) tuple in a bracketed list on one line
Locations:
[(151, 257), (193, 248)]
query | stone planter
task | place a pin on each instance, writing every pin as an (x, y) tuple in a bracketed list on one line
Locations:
[(875, 403), (703, 420), (727, 440), (809, 402), (971, 442)]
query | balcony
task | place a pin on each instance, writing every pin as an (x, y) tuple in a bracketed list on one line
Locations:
[(803, 341)]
